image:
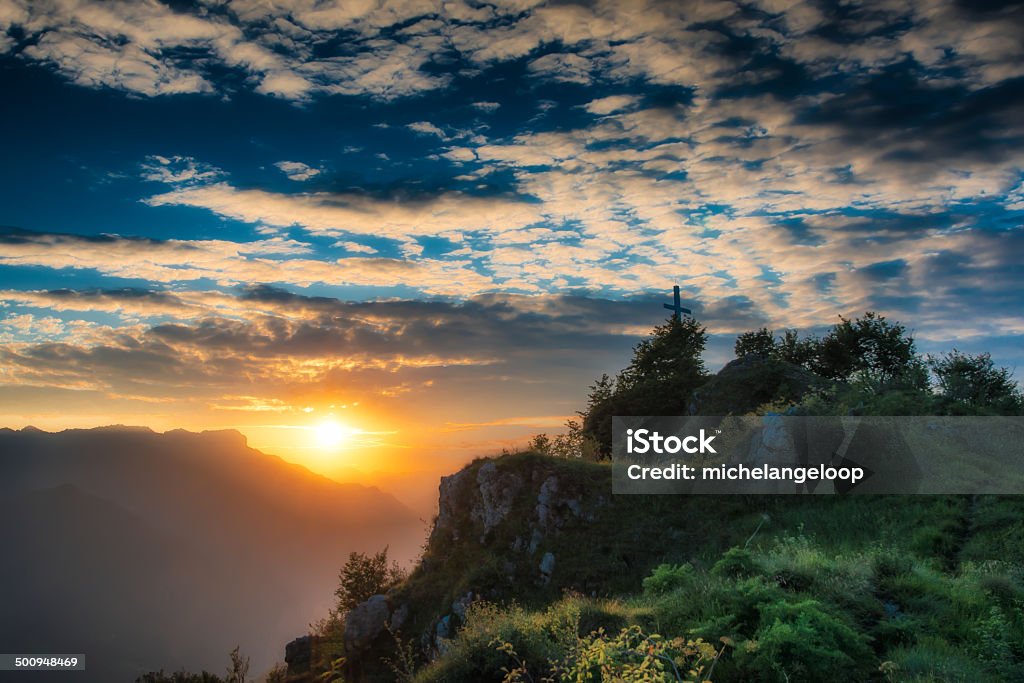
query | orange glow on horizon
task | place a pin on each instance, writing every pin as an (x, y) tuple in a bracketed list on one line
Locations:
[(330, 434)]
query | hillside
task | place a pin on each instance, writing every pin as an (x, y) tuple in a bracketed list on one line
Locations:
[(535, 571), (802, 587), (148, 550)]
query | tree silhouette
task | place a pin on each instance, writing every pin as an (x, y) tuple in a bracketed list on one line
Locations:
[(364, 576), (659, 380)]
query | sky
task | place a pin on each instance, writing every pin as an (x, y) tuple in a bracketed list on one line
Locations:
[(437, 222)]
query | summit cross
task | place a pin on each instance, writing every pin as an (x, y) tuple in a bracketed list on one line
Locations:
[(677, 306)]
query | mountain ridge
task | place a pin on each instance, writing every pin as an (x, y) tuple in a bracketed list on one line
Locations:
[(247, 544)]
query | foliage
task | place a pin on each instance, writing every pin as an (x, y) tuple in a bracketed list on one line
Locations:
[(665, 370), (871, 350), (481, 652), (633, 656), (792, 349), (974, 382), (760, 343), (278, 674), (736, 562), (364, 576), (872, 365), (238, 671), (804, 642), (849, 588), (669, 577), (179, 677), (403, 663), (670, 357)]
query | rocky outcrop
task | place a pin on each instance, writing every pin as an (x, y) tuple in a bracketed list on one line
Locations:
[(298, 655), (365, 622), (488, 492), (751, 381), (448, 499), (498, 491)]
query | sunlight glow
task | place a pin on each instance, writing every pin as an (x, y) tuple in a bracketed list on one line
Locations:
[(332, 434)]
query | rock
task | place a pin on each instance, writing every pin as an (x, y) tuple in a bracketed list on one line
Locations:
[(775, 444), (547, 566), (554, 508), (399, 616), (535, 538), (447, 501), (444, 629), (460, 605), (298, 655), (366, 621), (498, 492), (751, 381), (546, 497)]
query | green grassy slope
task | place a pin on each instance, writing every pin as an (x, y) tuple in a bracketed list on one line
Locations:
[(860, 588)]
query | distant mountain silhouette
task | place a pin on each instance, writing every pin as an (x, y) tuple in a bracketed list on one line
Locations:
[(147, 551)]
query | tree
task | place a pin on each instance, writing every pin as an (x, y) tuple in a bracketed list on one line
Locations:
[(364, 576), (179, 677), (665, 370), (872, 350), (540, 443), (600, 392), (802, 352), (279, 674), (238, 672), (670, 357), (976, 382), (760, 344)]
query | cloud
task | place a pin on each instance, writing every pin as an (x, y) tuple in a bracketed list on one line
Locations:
[(611, 104), (178, 170), (356, 247), (274, 260), (288, 49), (336, 215), (427, 128), (755, 154), (297, 171), (267, 343)]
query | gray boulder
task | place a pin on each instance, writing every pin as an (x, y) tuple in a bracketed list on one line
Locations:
[(498, 491), (365, 622)]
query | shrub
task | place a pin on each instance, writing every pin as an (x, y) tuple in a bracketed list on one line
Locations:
[(632, 656), (803, 642), (668, 577), (736, 562)]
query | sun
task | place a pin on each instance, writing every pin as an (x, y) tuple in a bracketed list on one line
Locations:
[(332, 434)]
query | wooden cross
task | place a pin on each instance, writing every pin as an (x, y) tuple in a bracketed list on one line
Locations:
[(677, 306)]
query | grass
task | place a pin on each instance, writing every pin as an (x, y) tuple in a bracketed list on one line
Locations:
[(921, 588)]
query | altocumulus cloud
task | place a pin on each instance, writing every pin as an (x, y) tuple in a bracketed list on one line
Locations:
[(783, 162)]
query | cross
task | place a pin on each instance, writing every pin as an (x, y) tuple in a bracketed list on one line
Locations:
[(677, 306)]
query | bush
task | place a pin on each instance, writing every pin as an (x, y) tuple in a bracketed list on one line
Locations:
[(482, 649), (975, 382), (668, 577), (736, 562), (364, 576), (632, 656), (803, 642)]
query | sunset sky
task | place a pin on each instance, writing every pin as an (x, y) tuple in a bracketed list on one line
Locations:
[(434, 223)]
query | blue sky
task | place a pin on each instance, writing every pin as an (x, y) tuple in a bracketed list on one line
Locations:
[(225, 214)]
